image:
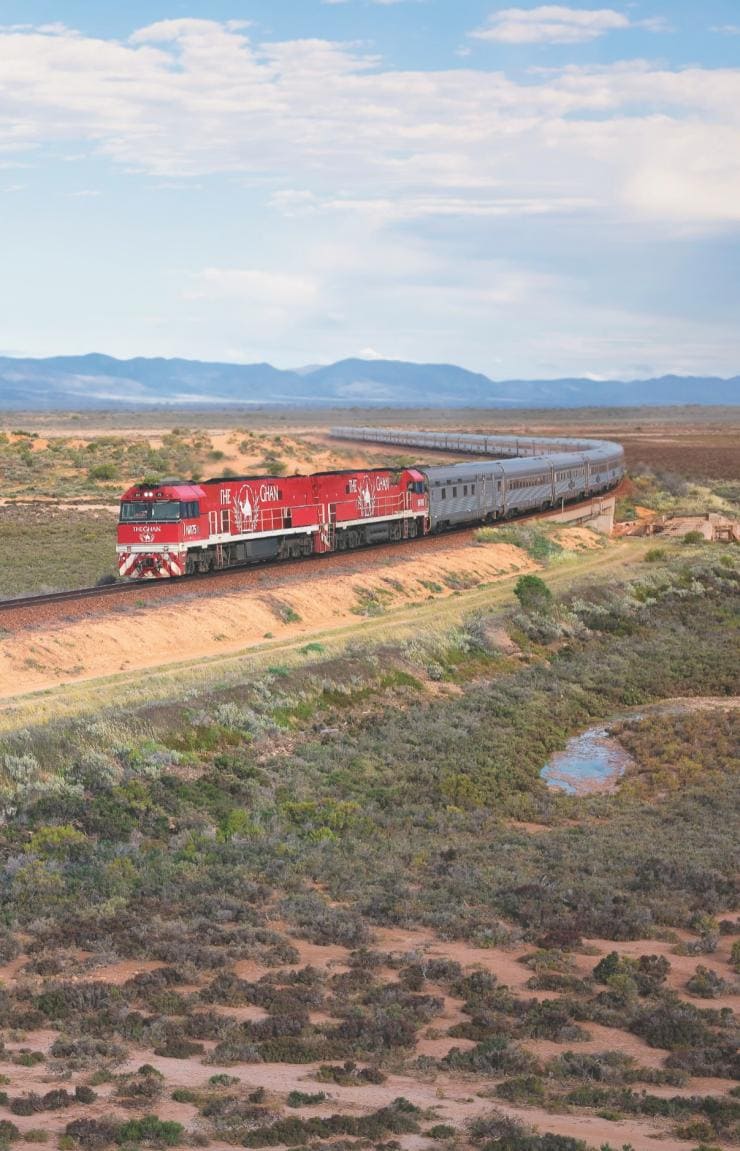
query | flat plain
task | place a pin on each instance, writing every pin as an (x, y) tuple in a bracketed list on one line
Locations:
[(279, 881)]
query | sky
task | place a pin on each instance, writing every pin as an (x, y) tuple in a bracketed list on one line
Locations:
[(524, 190)]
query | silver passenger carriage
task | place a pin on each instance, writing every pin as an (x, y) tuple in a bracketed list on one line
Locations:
[(463, 493), (518, 473)]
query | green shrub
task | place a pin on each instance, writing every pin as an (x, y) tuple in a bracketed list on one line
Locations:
[(533, 593), (305, 1098), (707, 984), (150, 1129)]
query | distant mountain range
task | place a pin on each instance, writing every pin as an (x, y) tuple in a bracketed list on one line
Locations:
[(97, 381)]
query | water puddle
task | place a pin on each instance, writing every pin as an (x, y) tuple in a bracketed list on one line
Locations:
[(594, 761), (590, 762)]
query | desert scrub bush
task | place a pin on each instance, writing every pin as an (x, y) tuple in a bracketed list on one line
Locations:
[(400, 1117), (9, 946), (551, 1019), (322, 820), (321, 923), (533, 593), (496, 1131), (305, 1098), (707, 984), (494, 1056), (23, 782), (371, 601), (523, 1089), (672, 1024), (648, 972), (140, 1086), (285, 612), (602, 1067), (717, 1057), (152, 1131), (348, 1074), (675, 751), (231, 1117), (149, 1131), (722, 1114), (538, 542), (441, 1131)]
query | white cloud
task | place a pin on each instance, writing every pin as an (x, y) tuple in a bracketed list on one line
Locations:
[(266, 289), (327, 129), (556, 24), (726, 29)]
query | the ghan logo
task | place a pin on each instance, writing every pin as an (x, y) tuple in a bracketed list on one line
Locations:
[(146, 535), (246, 508), (367, 493), (366, 498), (269, 492)]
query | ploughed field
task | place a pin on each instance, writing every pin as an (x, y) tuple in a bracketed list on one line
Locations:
[(331, 902)]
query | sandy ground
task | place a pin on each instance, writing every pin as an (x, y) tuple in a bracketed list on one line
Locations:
[(300, 455), (137, 635), (453, 1099)]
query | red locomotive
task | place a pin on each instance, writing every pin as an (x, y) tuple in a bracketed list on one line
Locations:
[(173, 529)]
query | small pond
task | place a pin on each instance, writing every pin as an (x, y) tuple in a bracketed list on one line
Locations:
[(592, 761)]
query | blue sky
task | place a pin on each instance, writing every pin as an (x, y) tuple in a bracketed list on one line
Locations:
[(527, 190)]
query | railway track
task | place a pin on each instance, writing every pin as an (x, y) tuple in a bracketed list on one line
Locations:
[(164, 586)]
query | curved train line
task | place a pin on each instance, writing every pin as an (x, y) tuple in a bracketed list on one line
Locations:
[(556, 453), (521, 474)]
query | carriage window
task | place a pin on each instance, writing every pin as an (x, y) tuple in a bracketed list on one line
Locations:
[(465, 489), (444, 494), (454, 493), (472, 489), (225, 518)]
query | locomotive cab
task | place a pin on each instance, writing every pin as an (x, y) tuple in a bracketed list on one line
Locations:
[(156, 523)]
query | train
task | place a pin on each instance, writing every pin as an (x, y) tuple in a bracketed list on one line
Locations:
[(177, 528)]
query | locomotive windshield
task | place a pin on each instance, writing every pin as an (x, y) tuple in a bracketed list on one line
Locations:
[(141, 511)]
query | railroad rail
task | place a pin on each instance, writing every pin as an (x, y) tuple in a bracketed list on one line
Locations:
[(150, 587)]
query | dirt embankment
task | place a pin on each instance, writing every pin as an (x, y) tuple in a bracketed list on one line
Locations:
[(134, 634)]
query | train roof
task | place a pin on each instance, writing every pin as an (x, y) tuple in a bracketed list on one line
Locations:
[(514, 448), (306, 475), (467, 469)]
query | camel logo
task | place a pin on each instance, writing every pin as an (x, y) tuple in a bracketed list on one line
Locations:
[(247, 508), (146, 537), (366, 499)]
